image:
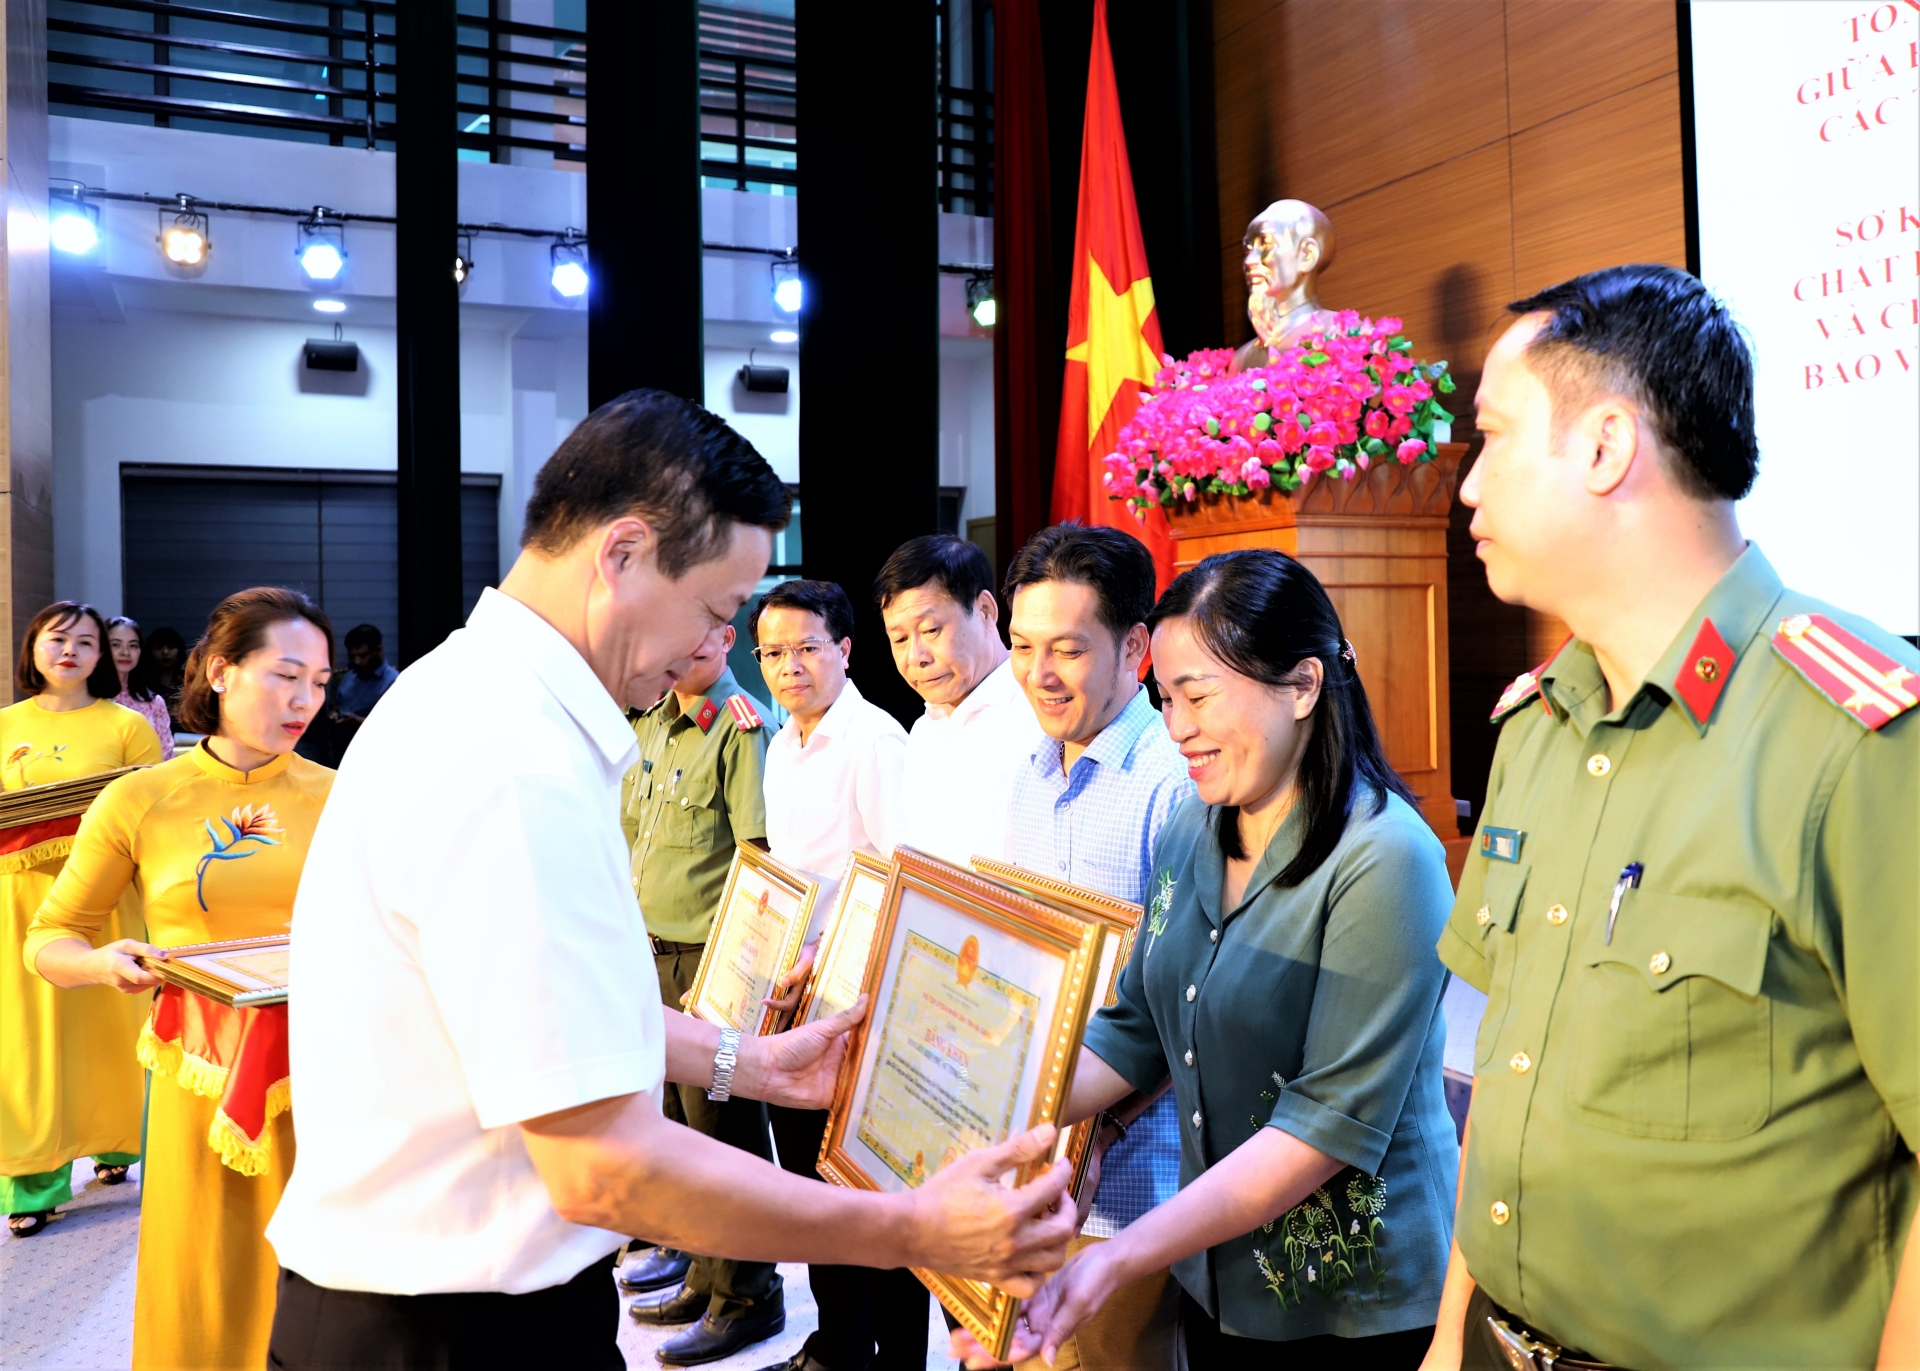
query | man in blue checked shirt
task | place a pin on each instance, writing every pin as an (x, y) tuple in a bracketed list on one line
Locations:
[(1087, 808)]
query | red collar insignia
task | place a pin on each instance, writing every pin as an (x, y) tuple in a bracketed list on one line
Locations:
[(708, 713), (1703, 675)]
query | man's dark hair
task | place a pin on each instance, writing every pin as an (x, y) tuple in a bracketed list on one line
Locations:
[(362, 635), (959, 566), (1657, 337), (658, 457), (824, 598), (1116, 567)]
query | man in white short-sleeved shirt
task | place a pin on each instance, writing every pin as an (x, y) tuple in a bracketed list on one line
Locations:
[(833, 788), (936, 601), (478, 1043)]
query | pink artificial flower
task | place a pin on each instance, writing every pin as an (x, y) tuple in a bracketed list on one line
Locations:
[(1409, 451), (1322, 434), (1400, 428), (1377, 422), (1398, 398)]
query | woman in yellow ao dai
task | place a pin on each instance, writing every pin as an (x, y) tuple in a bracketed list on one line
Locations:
[(71, 1087), (214, 842)]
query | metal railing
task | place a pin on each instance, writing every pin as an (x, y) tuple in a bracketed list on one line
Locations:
[(327, 73)]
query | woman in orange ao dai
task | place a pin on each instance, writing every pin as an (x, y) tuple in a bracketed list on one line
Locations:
[(214, 841)]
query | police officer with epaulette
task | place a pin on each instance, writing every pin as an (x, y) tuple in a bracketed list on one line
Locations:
[(1694, 899), (696, 790)]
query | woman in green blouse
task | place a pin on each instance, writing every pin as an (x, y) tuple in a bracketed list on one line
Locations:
[(1285, 977)]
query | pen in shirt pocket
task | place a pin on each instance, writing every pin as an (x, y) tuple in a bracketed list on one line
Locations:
[(1629, 878)]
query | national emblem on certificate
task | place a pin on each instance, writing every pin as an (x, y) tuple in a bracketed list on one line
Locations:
[(755, 940), (979, 994)]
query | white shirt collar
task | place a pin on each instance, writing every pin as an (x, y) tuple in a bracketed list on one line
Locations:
[(833, 723), (995, 688), (560, 667)]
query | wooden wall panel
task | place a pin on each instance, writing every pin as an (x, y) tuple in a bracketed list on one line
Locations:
[(1435, 242), (1320, 103), (1599, 187), (1468, 152), (1566, 54)]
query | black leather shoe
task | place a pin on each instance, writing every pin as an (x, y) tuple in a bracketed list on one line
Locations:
[(679, 1305), (711, 1338), (655, 1269), (799, 1361)]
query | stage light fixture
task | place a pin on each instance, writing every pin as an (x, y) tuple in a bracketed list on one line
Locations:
[(321, 244), (75, 228), (569, 265), (331, 306), (186, 240), (980, 302), (463, 261), (787, 290), (783, 335)]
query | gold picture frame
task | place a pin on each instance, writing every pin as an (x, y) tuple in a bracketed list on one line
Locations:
[(841, 963), (755, 940), (1122, 918), (978, 995), (242, 973)]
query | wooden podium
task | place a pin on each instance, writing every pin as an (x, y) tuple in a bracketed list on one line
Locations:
[(1379, 545)]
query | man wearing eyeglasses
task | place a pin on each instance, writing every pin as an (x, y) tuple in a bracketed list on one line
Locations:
[(835, 773), (695, 792)]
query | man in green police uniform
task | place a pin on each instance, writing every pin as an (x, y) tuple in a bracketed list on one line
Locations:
[(1692, 902), (696, 790)]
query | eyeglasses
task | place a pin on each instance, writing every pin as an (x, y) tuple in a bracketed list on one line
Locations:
[(806, 650)]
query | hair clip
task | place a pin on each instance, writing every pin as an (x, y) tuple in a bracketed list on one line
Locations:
[(1346, 652)]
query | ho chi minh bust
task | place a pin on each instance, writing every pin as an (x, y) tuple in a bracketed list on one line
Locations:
[(1289, 244)]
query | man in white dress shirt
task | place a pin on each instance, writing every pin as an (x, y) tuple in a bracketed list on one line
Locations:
[(936, 600), (478, 1043), (833, 788)]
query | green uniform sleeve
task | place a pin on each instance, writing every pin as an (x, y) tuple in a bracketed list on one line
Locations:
[(743, 765), (1867, 870), (1460, 945)]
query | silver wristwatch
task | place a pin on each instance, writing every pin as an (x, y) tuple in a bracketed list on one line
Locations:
[(723, 1063)]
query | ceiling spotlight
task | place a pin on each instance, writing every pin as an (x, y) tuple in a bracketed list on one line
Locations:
[(321, 245), (569, 259), (185, 240), (787, 290), (76, 226), (783, 335), (980, 301), (331, 306), (463, 261)]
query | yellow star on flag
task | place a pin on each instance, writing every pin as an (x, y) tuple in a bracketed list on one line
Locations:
[(1115, 349)]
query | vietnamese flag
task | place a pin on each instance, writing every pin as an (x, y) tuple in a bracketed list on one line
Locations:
[(1113, 334)]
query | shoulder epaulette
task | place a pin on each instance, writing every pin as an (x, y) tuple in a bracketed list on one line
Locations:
[(745, 717), (1519, 690), (1861, 679)]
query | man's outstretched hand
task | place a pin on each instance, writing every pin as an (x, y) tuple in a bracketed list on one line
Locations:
[(798, 1068), (970, 1223)]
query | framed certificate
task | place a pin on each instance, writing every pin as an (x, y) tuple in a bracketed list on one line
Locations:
[(840, 967), (1122, 918), (979, 996), (755, 940), (245, 973)]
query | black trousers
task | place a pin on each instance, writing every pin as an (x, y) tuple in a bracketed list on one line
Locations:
[(733, 1288), (870, 1320), (1209, 1349), (573, 1325)]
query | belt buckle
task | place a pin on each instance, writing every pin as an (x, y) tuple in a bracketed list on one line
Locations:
[(1521, 1352)]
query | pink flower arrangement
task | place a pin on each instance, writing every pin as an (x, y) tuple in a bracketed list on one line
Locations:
[(1336, 401)]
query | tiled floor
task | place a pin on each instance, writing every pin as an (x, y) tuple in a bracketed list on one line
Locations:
[(66, 1295)]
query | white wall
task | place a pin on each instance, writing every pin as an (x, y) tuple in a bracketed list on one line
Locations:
[(150, 367)]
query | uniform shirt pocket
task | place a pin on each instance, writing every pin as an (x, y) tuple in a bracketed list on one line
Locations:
[(1670, 1034), (1501, 891), (688, 817)]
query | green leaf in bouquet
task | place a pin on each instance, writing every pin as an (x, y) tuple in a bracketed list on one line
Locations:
[(1314, 359), (1446, 385), (1263, 421)]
